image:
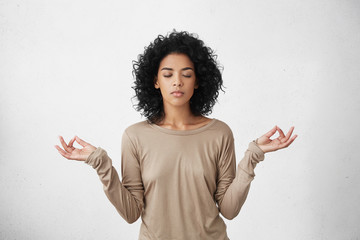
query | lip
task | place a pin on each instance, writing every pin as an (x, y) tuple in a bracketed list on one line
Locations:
[(177, 93)]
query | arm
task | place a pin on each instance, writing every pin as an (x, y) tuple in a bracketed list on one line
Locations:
[(233, 189), (126, 196), (233, 186)]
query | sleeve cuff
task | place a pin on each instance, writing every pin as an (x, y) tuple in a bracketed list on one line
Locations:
[(253, 147), (97, 154), (253, 156)]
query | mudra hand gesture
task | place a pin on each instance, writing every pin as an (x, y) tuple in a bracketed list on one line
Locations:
[(72, 153), (269, 145)]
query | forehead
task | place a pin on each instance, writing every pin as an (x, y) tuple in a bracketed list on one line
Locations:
[(176, 61)]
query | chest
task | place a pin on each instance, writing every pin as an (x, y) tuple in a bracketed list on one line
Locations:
[(178, 161)]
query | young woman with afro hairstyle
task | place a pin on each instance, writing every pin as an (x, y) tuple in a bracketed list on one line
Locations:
[(178, 167)]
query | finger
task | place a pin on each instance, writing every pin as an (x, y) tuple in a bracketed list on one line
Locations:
[(271, 132), (287, 143), (65, 146), (288, 135), (62, 152), (80, 141), (71, 142), (281, 133)]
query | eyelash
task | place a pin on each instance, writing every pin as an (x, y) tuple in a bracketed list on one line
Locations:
[(187, 76)]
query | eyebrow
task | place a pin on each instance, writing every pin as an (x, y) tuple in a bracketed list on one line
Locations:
[(170, 69)]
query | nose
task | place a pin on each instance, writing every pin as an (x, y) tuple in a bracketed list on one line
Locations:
[(177, 81)]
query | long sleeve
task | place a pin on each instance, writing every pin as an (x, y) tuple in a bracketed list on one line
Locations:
[(126, 196), (233, 186)]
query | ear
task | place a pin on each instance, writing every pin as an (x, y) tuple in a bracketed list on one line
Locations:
[(156, 84), (196, 84)]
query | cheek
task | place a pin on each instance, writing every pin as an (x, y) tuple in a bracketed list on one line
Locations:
[(191, 91)]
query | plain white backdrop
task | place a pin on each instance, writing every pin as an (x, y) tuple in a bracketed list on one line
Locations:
[(66, 69)]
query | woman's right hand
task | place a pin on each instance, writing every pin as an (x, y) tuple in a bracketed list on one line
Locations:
[(72, 153)]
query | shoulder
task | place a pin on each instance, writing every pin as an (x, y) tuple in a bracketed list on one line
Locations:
[(222, 136), (137, 128), (222, 128), (130, 137)]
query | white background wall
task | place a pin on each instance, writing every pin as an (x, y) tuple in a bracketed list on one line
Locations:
[(65, 69)]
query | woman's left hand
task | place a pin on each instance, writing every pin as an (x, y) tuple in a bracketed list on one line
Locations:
[(270, 145)]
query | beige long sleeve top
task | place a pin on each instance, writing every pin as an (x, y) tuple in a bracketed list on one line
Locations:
[(178, 181)]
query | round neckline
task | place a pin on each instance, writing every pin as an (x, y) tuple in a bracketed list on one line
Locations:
[(184, 132)]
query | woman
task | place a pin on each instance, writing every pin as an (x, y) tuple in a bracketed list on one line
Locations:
[(178, 167)]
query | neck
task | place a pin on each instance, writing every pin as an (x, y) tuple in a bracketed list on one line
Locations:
[(177, 117)]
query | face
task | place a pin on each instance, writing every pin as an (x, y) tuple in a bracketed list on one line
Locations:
[(176, 79)]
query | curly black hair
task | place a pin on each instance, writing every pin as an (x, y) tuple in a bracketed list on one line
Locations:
[(207, 72)]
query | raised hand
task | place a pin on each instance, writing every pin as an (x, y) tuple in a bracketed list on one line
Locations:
[(269, 145), (72, 153)]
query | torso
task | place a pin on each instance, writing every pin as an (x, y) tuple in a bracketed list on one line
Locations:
[(179, 174)]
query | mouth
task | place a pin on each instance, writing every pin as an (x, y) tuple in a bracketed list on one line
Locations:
[(177, 93)]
